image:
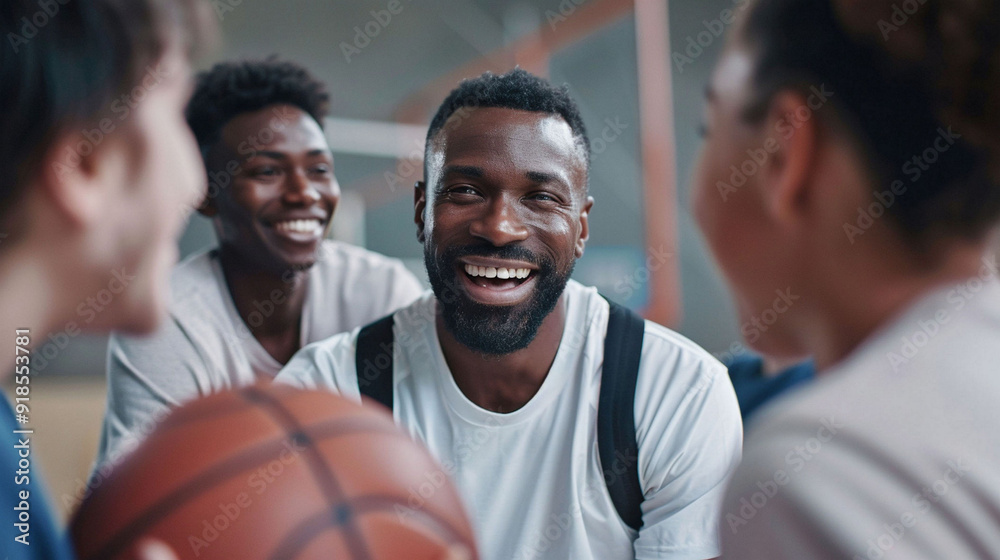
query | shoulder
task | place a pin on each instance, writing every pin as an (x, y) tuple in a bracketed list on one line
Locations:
[(326, 364), (191, 275), (674, 366)]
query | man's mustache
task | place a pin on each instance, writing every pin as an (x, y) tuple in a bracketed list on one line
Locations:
[(506, 252)]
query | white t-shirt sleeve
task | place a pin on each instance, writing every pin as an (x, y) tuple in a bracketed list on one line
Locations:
[(404, 288), (690, 438), (327, 364), (141, 391)]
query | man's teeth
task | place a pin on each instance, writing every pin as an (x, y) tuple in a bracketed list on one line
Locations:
[(491, 272), (300, 226)]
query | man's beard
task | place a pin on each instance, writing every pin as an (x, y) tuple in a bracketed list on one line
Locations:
[(491, 329)]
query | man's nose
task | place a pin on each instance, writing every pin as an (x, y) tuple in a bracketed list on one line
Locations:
[(500, 224)]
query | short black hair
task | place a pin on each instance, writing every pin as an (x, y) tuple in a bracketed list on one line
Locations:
[(519, 90), (61, 69), (233, 88)]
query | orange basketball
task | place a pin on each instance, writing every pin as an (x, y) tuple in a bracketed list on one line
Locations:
[(273, 472)]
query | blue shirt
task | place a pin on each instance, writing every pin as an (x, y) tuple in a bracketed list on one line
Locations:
[(46, 541), (754, 389)]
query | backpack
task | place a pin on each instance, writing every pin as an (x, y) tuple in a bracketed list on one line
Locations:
[(616, 438)]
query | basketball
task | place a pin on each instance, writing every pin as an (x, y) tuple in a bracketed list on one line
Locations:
[(272, 472)]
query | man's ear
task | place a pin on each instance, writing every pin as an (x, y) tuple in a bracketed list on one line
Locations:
[(207, 207), (790, 145), (581, 242), (81, 185), (419, 207)]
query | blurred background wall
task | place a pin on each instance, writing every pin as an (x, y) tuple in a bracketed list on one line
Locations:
[(388, 64)]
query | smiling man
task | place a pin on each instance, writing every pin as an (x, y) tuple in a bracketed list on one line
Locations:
[(274, 284), (511, 373)]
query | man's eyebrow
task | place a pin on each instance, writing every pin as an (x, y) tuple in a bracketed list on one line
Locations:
[(467, 170), (320, 152), (269, 154), (543, 177)]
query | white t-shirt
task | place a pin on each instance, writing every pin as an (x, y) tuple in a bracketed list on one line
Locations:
[(204, 346), (531, 479), (894, 453)]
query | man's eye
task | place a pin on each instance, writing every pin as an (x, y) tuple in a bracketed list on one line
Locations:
[(321, 169), (543, 197), (264, 172), (462, 189)]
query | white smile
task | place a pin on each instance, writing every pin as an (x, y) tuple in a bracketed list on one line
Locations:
[(299, 226), (492, 272)]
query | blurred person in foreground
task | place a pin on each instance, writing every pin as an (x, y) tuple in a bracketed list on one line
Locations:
[(275, 283), (873, 202), (98, 170)]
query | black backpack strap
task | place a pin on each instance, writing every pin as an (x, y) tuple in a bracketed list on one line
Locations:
[(616, 439), (373, 360)]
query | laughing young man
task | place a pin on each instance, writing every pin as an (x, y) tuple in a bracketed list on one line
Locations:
[(274, 284), (500, 371)]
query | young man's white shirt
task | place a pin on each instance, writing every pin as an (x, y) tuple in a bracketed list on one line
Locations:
[(531, 479), (205, 346), (894, 453)]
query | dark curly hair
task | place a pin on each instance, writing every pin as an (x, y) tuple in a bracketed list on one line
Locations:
[(518, 90), (232, 88), (900, 80)]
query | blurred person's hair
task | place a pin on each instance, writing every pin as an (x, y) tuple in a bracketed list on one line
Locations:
[(518, 90), (64, 72), (233, 88), (895, 89)]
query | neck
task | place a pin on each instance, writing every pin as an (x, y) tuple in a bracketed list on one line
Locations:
[(30, 299), (270, 303), (504, 383), (861, 304)]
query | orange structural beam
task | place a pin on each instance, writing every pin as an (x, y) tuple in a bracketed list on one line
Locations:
[(652, 30)]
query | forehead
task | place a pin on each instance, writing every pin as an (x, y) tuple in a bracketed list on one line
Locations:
[(278, 127), (509, 137)]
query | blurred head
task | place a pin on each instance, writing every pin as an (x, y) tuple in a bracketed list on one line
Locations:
[(503, 213), (836, 130), (272, 192), (95, 155)]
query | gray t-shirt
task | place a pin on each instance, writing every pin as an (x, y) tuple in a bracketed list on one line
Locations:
[(204, 346), (894, 453)]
